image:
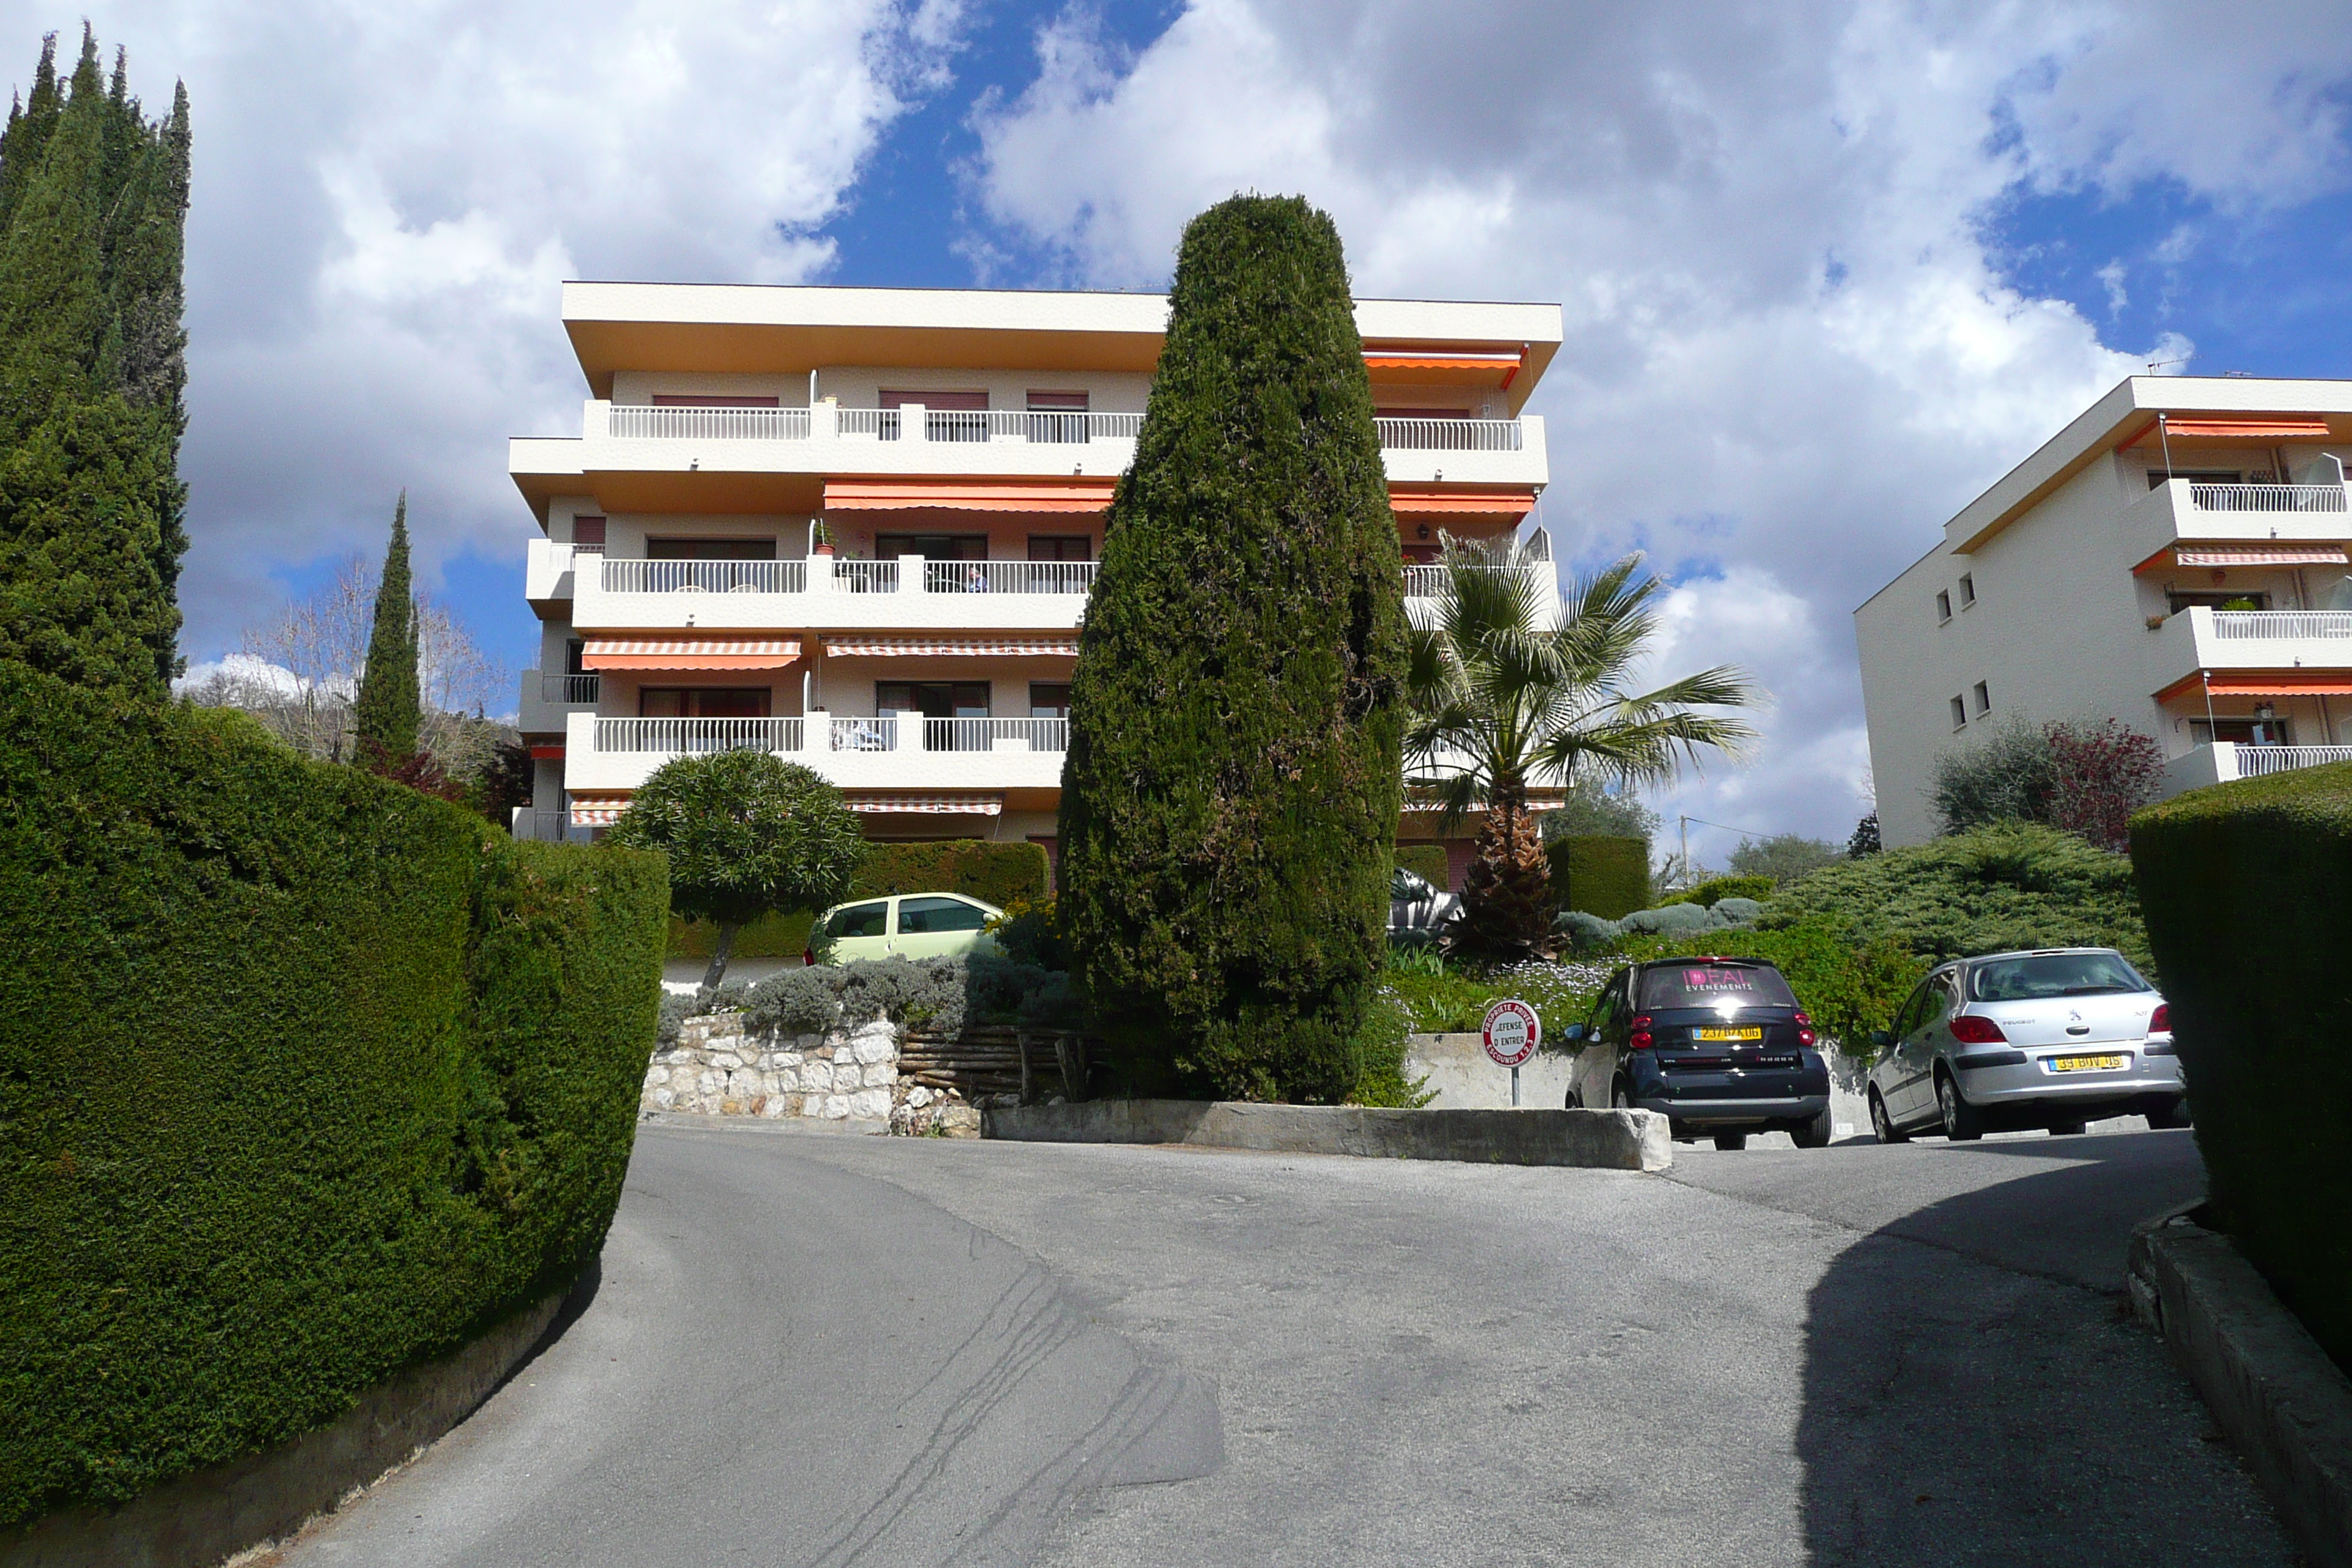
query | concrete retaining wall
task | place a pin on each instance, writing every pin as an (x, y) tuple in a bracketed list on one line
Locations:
[(1604, 1140), (1456, 1069)]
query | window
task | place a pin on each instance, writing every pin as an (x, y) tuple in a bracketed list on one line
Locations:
[(1061, 547), (1968, 589), (587, 533), (2228, 599), (932, 546), (916, 916), (2197, 475), (573, 650), (947, 416), (2243, 731), (932, 699), (703, 701), (1959, 714), (2046, 975), (959, 402), (1057, 403), (1057, 417), (1984, 700), (1943, 997), (1943, 606), (758, 549), (1699, 984), (1049, 700), (706, 400), (859, 920)]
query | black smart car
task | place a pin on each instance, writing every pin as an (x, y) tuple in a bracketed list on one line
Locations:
[(1719, 1045)]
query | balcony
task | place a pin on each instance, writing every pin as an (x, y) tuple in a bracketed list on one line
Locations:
[(2225, 762), (547, 577), (2189, 509), (905, 593), (2200, 639), (547, 700), (890, 751)]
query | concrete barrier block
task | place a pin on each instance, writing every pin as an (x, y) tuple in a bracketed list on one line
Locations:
[(1600, 1140)]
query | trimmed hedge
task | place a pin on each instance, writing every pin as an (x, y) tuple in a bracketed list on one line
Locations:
[(1715, 889), (2248, 893), (1426, 861), (305, 1076), (1605, 877), (997, 874)]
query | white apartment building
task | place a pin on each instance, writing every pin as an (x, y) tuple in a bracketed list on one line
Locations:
[(2175, 558), (857, 527)]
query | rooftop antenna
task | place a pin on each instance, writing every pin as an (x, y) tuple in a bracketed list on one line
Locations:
[(2157, 364)]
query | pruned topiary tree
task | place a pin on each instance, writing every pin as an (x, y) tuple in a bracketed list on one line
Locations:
[(748, 835), (1229, 800)]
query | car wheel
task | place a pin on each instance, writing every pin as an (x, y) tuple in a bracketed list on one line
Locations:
[(1575, 1101), (1731, 1140), (1883, 1124), (1963, 1122), (2167, 1117), (1815, 1133), (2068, 1128), (1620, 1097)]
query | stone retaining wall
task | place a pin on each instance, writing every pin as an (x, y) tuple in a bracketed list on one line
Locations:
[(721, 1065)]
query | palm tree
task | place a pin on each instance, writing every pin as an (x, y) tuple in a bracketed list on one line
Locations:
[(1503, 699)]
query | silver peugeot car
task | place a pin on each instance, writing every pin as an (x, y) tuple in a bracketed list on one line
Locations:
[(2051, 1039)]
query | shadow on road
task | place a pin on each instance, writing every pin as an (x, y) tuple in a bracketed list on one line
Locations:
[(1985, 1397)]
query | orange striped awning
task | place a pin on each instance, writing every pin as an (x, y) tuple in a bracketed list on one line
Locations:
[(1454, 501), (951, 647), (1070, 495), (2261, 683), (927, 804), (2222, 427), (689, 653), (598, 810)]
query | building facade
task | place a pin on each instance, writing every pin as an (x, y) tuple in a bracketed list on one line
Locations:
[(2176, 558), (857, 527)]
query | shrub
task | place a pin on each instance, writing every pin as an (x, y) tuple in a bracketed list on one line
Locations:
[(1428, 862), (999, 874), (1782, 858), (940, 995), (798, 1001), (2083, 778), (1716, 889), (1230, 797), (1864, 840), (1030, 933), (306, 1078), (1669, 919), (1605, 876), (1586, 933), (2248, 889), (2012, 885)]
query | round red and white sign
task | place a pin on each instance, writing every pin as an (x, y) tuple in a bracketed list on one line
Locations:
[(1511, 1033)]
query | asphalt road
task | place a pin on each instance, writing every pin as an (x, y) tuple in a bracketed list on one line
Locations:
[(807, 1349)]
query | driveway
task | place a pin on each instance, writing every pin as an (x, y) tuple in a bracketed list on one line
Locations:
[(814, 1349)]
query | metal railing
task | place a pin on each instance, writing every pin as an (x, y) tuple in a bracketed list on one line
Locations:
[(951, 425), (546, 827), (865, 576), (880, 423), (2244, 624), (2267, 497), (570, 688), (1423, 581), (879, 734), (637, 576), (1449, 435), (2253, 761), (1008, 576), (983, 734), (694, 736), (639, 422)]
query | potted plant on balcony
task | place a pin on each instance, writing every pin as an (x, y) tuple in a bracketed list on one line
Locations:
[(821, 539)]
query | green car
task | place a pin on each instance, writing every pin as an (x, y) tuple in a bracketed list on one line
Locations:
[(906, 925)]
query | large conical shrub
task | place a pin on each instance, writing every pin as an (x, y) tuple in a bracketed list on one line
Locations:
[(385, 712), (1229, 801), (92, 199)]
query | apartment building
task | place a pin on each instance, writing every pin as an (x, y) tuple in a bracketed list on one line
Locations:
[(857, 527), (2176, 558)]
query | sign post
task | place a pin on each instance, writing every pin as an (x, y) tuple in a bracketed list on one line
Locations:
[(1511, 1034)]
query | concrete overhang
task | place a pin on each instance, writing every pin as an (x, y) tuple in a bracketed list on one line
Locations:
[(544, 466), (2127, 415)]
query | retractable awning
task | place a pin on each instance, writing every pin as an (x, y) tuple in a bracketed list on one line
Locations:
[(2252, 429), (598, 810), (927, 804), (951, 647), (1424, 500), (1070, 495), (2262, 683), (689, 653), (2245, 555)]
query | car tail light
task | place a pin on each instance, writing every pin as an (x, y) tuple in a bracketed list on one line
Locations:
[(1973, 1031), (2160, 1021), (808, 958), (1805, 1036), (1640, 1039)]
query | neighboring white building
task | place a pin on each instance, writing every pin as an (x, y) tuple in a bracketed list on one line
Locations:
[(959, 447), (2175, 558)]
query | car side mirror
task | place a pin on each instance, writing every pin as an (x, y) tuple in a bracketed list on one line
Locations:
[(1573, 1032), (1880, 1039)]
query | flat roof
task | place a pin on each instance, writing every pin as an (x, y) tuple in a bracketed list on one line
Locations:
[(793, 329)]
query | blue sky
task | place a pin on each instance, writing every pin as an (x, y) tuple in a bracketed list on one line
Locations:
[(1827, 269)]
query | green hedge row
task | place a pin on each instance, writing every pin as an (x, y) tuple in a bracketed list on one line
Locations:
[(304, 1078), (1605, 877), (2248, 893), (993, 873), (1426, 861)]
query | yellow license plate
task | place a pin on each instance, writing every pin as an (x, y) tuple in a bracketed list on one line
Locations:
[(1731, 1034), (2088, 1064)]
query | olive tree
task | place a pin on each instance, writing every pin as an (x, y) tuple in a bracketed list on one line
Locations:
[(748, 835)]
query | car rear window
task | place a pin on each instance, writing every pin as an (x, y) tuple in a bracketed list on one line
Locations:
[(860, 920), (2041, 975), (1699, 984), (916, 915)]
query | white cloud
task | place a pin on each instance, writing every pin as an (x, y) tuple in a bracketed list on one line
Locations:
[(240, 671), (1790, 356)]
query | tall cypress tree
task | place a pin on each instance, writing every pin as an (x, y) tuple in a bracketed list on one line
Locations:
[(92, 201), (384, 713), (1230, 797)]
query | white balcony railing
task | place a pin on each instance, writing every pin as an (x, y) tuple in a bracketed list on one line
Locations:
[(1075, 577), (633, 422), (693, 736), (877, 734), (2242, 625), (1449, 435), (572, 691), (989, 734), (637, 576), (2267, 497), (2253, 761), (865, 576)]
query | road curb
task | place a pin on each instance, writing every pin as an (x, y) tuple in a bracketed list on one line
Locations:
[(1600, 1140), (2283, 1400), (202, 1518)]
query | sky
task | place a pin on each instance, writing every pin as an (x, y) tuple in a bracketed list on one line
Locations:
[(1828, 270)]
